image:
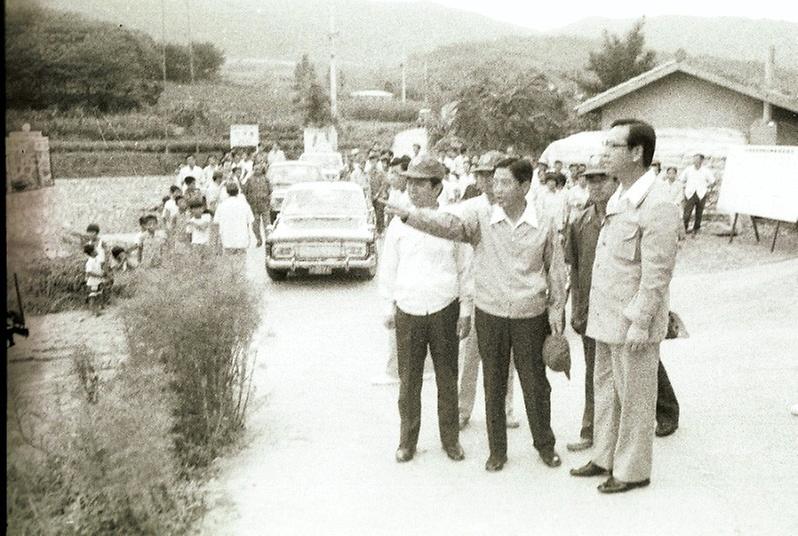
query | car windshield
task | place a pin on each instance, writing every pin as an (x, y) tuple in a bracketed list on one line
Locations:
[(329, 160), (293, 174), (324, 203)]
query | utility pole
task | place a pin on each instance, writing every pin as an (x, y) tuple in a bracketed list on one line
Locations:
[(163, 68), (333, 74), (426, 87), (191, 64), (404, 75)]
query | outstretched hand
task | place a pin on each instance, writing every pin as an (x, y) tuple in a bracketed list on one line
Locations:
[(395, 209)]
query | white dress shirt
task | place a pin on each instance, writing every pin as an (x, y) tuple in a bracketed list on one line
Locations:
[(633, 195), (189, 171), (422, 274), (696, 181), (234, 217)]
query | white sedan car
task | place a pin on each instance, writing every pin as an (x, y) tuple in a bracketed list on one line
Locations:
[(323, 227), (332, 163)]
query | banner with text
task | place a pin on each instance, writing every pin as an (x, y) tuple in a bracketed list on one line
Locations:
[(761, 180), (244, 136)]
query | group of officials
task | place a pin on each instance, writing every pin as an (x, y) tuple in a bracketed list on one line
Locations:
[(493, 264)]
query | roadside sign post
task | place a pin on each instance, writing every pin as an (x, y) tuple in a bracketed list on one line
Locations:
[(244, 136), (762, 182)]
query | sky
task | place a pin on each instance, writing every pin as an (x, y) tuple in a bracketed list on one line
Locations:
[(551, 15)]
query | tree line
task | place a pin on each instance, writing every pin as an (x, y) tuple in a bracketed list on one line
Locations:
[(64, 60)]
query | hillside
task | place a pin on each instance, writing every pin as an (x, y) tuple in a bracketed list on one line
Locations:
[(561, 58), (722, 37), (370, 32)]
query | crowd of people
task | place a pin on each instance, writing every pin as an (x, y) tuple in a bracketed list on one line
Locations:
[(211, 210), (480, 268), (478, 258)]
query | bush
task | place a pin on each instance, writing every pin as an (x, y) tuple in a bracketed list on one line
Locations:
[(388, 111), (200, 320), (99, 467), (54, 285), (64, 60)]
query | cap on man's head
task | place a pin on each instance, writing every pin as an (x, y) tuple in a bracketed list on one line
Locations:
[(488, 161), (427, 168), (93, 227)]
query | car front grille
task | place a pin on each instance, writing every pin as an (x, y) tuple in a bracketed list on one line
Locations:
[(320, 251)]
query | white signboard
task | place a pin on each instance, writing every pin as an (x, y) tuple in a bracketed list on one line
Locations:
[(761, 180), (244, 136), (321, 140)]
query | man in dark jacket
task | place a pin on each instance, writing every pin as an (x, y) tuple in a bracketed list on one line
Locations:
[(258, 194)]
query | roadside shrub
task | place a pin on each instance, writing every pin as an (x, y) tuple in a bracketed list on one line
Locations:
[(53, 285), (103, 467), (199, 318)]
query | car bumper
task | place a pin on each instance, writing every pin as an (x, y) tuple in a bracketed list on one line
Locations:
[(333, 264)]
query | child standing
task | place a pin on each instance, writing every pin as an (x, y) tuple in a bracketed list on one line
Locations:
[(200, 227), (95, 277), (93, 238), (151, 242)]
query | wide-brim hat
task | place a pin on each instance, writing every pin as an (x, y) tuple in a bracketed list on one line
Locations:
[(557, 354), (427, 168)]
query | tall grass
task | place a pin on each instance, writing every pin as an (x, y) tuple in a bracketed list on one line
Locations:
[(100, 462), (199, 318)]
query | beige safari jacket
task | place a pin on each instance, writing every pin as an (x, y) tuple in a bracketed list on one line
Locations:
[(635, 257)]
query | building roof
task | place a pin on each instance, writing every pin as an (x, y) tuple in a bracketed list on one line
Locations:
[(773, 97)]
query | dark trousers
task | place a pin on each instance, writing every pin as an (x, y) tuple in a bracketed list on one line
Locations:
[(263, 217), (497, 337), (589, 346), (667, 404), (414, 335), (698, 204), (379, 215)]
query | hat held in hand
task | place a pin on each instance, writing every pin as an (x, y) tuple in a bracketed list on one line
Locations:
[(557, 354)]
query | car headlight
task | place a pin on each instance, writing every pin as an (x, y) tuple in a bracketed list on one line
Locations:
[(282, 251), (355, 249)]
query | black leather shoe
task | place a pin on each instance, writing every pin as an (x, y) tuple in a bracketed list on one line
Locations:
[(617, 486), (589, 469), (665, 429), (405, 455), (455, 452), (495, 464), (550, 458)]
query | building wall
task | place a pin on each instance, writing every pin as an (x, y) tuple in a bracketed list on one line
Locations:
[(787, 129), (683, 101)]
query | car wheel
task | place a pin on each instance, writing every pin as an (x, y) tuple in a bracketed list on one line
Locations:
[(367, 274), (276, 275)]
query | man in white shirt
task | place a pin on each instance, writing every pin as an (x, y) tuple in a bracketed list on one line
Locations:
[(275, 154), (426, 282), (697, 180), (417, 155), (234, 218), (191, 169), (211, 165), (247, 164)]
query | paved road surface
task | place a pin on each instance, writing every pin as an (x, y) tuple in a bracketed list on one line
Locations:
[(319, 458)]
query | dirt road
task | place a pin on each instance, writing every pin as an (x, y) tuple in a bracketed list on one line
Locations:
[(319, 458)]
